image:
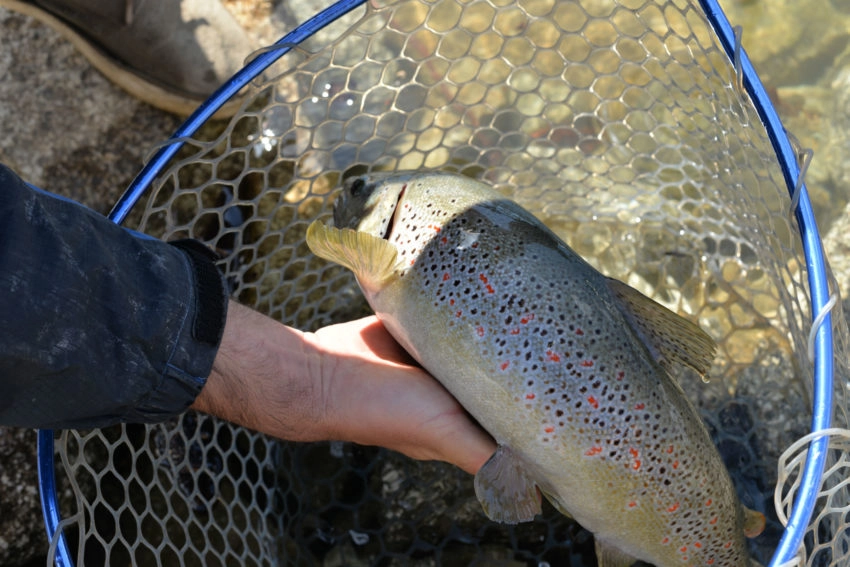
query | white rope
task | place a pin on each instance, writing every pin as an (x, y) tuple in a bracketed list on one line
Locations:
[(833, 299), (791, 460), (54, 539), (805, 158), (739, 74)]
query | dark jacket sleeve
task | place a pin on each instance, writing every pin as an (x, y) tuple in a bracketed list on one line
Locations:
[(98, 325)]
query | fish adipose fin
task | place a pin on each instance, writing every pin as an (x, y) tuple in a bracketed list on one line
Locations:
[(505, 491), (609, 556), (373, 260), (670, 337)]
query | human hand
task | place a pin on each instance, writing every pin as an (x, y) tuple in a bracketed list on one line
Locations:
[(347, 382), (377, 395)]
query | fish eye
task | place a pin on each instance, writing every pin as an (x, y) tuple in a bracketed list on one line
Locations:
[(357, 187)]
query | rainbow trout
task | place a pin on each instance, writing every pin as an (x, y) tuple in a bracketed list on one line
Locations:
[(567, 369)]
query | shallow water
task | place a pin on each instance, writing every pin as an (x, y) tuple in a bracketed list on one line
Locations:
[(801, 50)]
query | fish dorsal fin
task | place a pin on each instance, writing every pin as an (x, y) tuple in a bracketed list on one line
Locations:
[(373, 260), (505, 491), (670, 337), (609, 556)]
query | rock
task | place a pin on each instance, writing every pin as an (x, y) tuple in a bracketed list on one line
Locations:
[(837, 247), (22, 535)]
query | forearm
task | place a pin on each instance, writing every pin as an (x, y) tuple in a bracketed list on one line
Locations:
[(266, 377)]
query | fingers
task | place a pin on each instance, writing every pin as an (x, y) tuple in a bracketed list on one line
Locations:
[(380, 396)]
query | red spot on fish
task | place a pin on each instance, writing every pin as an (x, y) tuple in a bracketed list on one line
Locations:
[(553, 356), (673, 508), (444, 240), (412, 262), (592, 401), (549, 429), (482, 277), (490, 289), (670, 449), (587, 363), (639, 406), (480, 331), (515, 331), (727, 545), (710, 561), (621, 375), (436, 228), (593, 451), (665, 541), (529, 396), (713, 520), (698, 545), (525, 320), (708, 502), (632, 504), (675, 464), (475, 245), (451, 301), (635, 454), (579, 332), (446, 276), (684, 549), (505, 366), (458, 314)]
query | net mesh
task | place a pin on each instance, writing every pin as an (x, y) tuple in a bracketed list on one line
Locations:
[(619, 124)]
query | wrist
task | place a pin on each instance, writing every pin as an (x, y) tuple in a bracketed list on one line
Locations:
[(266, 376)]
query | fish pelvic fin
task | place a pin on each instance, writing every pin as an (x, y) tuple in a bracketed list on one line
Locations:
[(504, 489), (373, 260), (670, 337), (754, 522), (609, 556)]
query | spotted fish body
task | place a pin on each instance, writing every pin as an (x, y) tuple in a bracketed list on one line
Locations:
[(564, 367)]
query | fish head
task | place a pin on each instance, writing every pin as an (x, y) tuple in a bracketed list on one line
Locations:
[(368, 203)]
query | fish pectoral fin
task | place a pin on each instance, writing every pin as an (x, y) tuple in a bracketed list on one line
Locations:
[(609, 556), (373, 260), (504, 489), (670, 337), (754, 522)]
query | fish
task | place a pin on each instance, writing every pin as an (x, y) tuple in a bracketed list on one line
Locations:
[(568, 370)]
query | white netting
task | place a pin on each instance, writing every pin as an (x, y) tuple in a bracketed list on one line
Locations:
[(617, 123)]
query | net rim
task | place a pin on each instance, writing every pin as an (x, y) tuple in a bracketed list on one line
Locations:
[(804, 504), (818, 280)]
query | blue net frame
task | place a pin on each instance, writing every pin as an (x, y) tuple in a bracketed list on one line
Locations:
[(818, 280)]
